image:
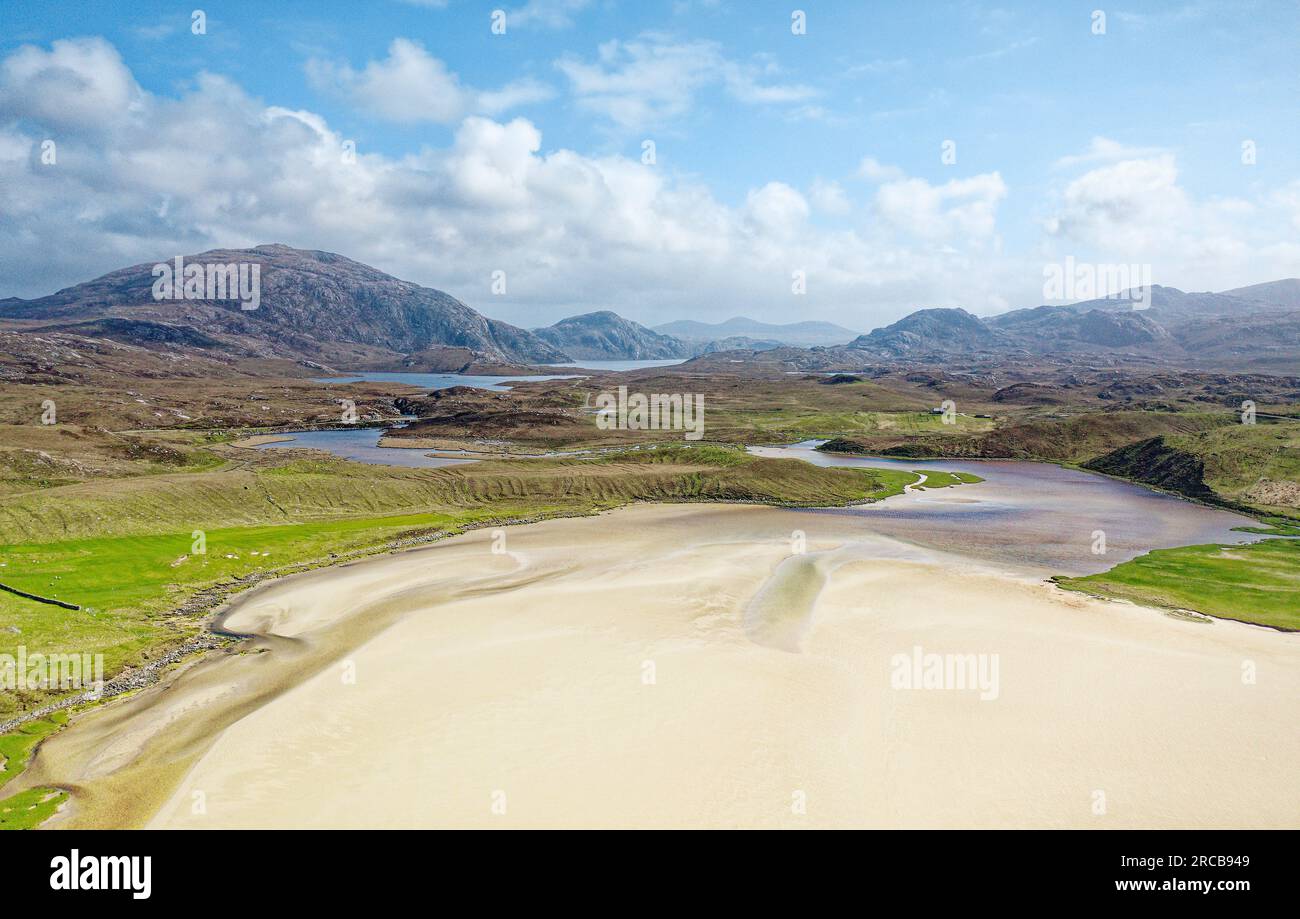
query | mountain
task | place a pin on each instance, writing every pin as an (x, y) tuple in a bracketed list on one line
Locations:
[(608, 336), (1254, 326), (741, 343), (1053, 328), (928, 331), (1284, 294), (803, 334), (312, 305)]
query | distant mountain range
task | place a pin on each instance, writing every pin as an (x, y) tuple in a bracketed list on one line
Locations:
[(324, 309), (801, 334), (1257, 325)]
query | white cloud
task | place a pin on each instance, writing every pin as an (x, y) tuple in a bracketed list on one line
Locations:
[(776, 210), (1135, 211), (152, 176), (542, 13), (652, 80), (80, 83), (1105, 150), (411, 85), (829, 198), (549, 14), (959, 209), (216, 167), (875, 171), (1125, 205)]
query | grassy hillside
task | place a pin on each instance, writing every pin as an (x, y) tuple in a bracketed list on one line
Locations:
[(32, 807), (1256, 467), (1069, 439), (1205, 455), (271, 489), (1256, 583)]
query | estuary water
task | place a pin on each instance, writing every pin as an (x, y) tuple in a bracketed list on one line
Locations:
[(1032, 516)]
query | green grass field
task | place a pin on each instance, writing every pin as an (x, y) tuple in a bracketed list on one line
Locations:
[(16, 747), (1257, 583), (131, 576), (128, 584), (29, 808)]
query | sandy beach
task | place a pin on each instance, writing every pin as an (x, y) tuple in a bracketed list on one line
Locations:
[(687, 666)]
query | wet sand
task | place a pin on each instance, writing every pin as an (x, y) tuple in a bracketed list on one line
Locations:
[(681, 666)]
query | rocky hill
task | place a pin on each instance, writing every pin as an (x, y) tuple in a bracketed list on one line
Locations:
[(928, 331), (1256, 327), (310, 304), (608, 336)]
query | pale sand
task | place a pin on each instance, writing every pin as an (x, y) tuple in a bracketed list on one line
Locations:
[(524, 674)]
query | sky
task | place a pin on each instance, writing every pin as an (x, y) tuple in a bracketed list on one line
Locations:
[(702, 159)]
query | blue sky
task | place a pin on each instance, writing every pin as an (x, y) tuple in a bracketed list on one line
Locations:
[(776, 153)]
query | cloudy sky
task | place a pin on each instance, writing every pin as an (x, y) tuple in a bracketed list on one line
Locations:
[(666, 160)]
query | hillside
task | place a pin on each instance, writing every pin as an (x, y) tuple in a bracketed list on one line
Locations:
[(1253, 327), (1284, 293), (925, 331), (606, 335), (314, 305)]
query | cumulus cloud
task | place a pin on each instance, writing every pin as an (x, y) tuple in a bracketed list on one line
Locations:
[(1123, 204), (411, 85), (652, 80), (829, 198), (216, 167), (144, 177), (776, 210), (80, 83), (1135, 211), (958, 209)]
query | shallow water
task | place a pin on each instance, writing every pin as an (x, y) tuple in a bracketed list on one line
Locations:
[(361, 445), (1037, 517), (445, 380)]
